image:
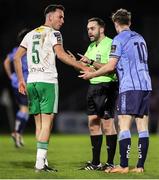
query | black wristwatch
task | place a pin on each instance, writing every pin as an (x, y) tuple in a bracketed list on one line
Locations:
[(91, 62)]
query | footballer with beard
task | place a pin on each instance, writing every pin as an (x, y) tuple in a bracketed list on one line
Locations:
[(101, 97)]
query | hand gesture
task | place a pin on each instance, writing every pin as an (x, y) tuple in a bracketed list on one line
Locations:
[(87, 69), (86, 75), (84, 59), (22, 87)]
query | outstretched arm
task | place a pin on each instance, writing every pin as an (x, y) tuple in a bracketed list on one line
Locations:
[(90, 62), (107, 68), (67, 59)]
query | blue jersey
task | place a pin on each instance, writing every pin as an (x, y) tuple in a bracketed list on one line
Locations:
[(14, 78), (131, 50)]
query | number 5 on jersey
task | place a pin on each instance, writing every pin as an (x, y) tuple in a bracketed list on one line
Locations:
[(35, 52)]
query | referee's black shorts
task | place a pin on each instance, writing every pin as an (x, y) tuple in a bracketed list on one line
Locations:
[(101, 99)]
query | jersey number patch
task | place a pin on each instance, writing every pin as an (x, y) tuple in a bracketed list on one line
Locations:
[(142, 51), (35, 52)]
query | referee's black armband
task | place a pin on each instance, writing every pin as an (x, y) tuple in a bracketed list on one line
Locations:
[(91, 62)]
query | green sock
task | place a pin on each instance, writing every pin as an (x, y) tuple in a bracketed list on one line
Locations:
[(42, 145)]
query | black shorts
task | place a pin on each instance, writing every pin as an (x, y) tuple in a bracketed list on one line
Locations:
[(134, 103), (101, 99)]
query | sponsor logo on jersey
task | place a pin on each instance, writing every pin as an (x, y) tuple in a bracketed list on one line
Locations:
[(37, 36), (33, 69), (39, 29)]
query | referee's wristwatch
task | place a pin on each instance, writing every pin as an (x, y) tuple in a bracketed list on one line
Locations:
[(91, 62)]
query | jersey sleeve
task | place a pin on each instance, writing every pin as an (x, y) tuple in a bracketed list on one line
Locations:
[(56, 38), (24, 42), (115, 49)]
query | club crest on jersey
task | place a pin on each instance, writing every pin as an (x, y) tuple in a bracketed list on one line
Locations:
[(113, 48), (58, 36)]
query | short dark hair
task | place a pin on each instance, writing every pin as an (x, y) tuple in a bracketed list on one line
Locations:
[(52, 8), (122, 16), (98, 20)]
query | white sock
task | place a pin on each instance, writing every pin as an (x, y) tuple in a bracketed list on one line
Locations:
[(40, 158)]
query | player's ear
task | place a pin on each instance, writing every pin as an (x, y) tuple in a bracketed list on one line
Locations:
[(50, 16), (101, 30)]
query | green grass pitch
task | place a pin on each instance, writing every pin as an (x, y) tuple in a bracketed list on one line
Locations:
[(68, 153)]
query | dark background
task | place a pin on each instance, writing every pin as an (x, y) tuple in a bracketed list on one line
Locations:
[(17, 14)]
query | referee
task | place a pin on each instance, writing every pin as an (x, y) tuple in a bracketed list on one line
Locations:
[(101, 97)]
